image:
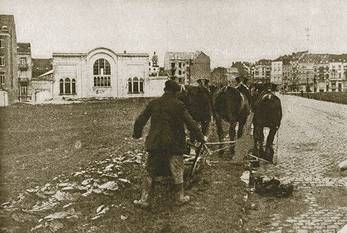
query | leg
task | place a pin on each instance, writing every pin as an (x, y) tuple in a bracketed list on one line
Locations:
[(240, 130), (232, 136), (258, 136), (205, 127), (271, 136), (177, 172), (269, 151), (219, 129), (147, 186)]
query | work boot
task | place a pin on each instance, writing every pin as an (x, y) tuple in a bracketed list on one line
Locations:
[(143, 202), (181, 199)]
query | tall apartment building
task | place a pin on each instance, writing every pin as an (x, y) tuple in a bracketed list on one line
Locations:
[(8, 60), (261, 71), (187, 67), (24, 70)]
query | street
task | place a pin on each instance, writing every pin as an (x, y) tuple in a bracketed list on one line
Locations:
[(312, 141)]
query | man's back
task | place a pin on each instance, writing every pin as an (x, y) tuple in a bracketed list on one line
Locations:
[(168, 116)]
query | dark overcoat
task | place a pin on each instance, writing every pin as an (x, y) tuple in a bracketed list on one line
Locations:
[(167, 132)]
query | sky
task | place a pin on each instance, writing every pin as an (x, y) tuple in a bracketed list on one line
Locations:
[(226, 30)]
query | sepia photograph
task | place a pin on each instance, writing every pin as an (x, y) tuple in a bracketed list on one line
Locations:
[(173, 116)]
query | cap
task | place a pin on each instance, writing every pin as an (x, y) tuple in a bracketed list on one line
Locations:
[(171, 85)]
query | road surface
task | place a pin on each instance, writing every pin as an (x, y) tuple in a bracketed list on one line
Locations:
[(312, 141)]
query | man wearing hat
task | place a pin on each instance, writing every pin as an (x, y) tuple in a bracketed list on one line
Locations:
[(166, 141)]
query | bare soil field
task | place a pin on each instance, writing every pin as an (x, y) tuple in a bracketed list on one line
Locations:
[(75, 168)]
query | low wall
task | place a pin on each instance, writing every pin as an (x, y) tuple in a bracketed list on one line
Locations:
[(336, 97)]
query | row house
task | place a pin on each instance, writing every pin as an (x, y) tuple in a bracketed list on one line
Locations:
[(187, 67), (24, 61), (337, 73)]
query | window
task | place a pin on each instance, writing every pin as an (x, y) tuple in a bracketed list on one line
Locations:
[(73, 87), (23, 90), (2, 61), (135, 85), (102, 73), (130, 85), (2, 79), (61, 86), (23, 60), (2, 43), (179, 72), (180, 65), (141, 85), (67, 86)]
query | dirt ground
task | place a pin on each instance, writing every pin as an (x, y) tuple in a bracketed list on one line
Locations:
[(75, 168)]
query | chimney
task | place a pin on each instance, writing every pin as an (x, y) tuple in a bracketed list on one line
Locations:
[(125, 51)]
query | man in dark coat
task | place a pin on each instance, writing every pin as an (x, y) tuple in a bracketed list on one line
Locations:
[(166, 141)]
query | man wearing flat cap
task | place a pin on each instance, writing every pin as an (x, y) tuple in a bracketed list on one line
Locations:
[(166, 140)]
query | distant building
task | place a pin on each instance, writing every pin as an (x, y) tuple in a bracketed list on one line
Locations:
[(231, 74), (103, 73), (277, 72), (261, 71), (8, 60), (187, 67), (24, 71), (337, 73), (42, 87)]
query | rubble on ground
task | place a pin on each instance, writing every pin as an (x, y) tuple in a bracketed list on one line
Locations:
[(48, 207)]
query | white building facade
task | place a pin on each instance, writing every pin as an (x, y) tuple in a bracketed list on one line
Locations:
[(102, 73), (276, 72)]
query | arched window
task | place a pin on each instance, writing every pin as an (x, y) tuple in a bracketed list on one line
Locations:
[(61, 86), (135, 85), (102, 73), (141, 85), (130, 86), (73, 86), (67, 86)]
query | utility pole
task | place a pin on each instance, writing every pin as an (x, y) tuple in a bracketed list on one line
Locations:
[(307, 34)]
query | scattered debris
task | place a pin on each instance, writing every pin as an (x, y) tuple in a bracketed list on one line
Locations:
[(47, 207), (245, 177), (71, 213), (100, 211)]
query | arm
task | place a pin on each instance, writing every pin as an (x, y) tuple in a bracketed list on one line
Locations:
[(192, 125), (141, 121)]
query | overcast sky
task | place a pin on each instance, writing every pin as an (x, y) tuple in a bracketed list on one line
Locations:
[(226, 30)]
